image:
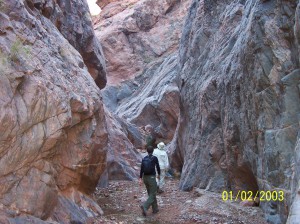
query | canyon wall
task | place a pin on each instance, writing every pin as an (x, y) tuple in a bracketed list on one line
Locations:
[(122, 157), (233, 88), (156, 101), (134, 33), (73, 20), (239, 112), (140, 42), (54, 137)]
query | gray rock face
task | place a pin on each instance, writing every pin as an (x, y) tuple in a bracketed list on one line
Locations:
[(156, 102), (152, 98), (239, 114), (53, 130), (122, 157), (140, 40), (73, 20)]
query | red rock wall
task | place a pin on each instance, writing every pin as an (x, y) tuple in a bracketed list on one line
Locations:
[(140, 41), (53, 128), (134, 33)]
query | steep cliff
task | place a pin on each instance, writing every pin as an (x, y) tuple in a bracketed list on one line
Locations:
[(140, 42), (53, 128), (239, 114), (156, 101), (135, 32), (72, 19)]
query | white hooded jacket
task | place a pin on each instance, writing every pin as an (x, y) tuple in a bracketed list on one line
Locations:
[(162, 156)]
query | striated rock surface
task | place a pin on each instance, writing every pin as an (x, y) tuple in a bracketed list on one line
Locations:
[(53, 126), (294, 213), (73, 20), (156, 102), (239, 114), (133, 33), (103, 3), (140, 41), (122, 157)]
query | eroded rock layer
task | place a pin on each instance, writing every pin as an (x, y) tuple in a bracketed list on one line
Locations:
[(239, 114), (140, 41), (135, 32), (53, 128), (122, 157), (156, 101), (73, 20)]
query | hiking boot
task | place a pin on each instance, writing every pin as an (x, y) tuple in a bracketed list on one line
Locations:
[(159, 191), (143, 210), (155, 211)]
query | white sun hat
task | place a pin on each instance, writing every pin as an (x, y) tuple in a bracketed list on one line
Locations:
[(161, 145)]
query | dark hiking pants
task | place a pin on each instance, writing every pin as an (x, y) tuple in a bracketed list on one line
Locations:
[(151, 186)]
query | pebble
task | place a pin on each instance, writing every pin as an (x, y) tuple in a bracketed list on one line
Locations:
[(141, 220)]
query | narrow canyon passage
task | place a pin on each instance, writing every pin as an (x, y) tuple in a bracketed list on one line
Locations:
[(121, 199), (217, 81), (189, 69)]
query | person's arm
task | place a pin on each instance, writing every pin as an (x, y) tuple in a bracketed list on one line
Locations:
[(157, 166), (141, 174)]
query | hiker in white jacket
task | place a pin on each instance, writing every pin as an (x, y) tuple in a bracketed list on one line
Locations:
[(163, 161)]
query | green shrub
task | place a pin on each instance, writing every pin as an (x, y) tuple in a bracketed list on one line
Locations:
[(18, 50), (2, 6)]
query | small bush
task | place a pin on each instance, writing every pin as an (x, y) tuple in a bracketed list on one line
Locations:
[(17, 50), (3, 58), (2, 6)]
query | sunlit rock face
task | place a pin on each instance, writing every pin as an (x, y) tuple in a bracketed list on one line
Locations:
[(53, 130), (133, 33), (239, 112)]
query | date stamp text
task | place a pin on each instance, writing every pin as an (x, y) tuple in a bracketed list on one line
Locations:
[(253, 196)]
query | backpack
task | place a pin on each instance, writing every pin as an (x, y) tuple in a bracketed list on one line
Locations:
[(148, 165)]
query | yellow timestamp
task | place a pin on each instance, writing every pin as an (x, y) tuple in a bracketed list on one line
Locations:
[(253, 196)]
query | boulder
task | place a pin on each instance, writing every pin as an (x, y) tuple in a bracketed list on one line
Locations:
[(122, 156)]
